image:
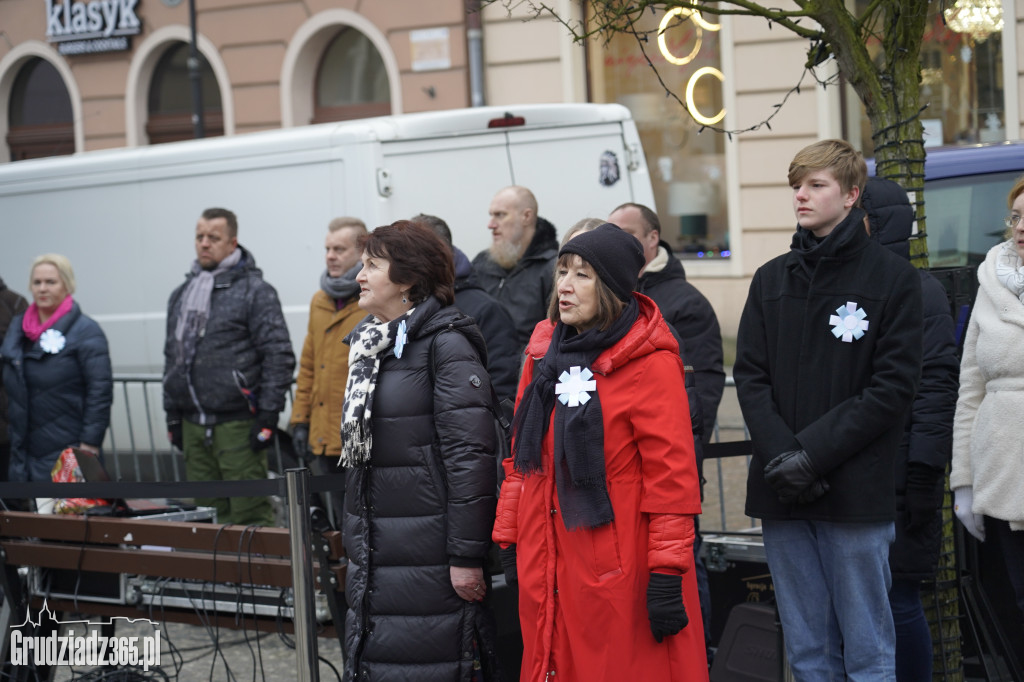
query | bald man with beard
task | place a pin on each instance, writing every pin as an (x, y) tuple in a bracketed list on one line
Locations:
[(518, 268)]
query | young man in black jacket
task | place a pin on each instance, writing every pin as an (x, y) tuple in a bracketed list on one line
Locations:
[(827, 363)]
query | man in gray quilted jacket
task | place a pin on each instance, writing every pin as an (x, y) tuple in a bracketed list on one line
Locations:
[(228, 364)]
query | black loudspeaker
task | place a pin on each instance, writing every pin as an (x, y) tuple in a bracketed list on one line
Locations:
[(751, 647)]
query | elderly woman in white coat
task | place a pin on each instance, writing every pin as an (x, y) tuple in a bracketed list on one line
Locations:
[(987, 477)]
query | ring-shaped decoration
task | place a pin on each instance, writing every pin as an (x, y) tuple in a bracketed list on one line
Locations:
[(691, 105), (699, 19), (663, 45)]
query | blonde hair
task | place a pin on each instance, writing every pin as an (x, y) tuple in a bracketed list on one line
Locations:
[(585, 225), (64, 269), (1015, 191), (836, 156)]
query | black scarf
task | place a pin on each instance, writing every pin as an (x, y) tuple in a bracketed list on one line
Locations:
[(579, 431)]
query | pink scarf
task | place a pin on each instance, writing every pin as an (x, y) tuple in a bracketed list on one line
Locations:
[(33, 328)]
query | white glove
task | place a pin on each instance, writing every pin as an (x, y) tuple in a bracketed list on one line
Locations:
[(963, 498)]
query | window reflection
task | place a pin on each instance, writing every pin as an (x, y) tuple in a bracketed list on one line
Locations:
[(687, 169), (961, 84)]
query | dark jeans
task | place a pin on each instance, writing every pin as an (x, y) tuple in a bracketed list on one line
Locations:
[(913, 638), (1011, 542)]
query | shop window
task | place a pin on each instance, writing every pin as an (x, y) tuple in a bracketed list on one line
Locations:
[(687, 169), (961, 82), (39, 116), (351, 81), (170, 99)]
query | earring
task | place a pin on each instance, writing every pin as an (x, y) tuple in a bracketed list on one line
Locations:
[(404, 301)]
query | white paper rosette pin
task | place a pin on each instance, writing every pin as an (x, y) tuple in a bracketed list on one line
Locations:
[(52, 341), (849, 322), (401, 338), (573, 385)]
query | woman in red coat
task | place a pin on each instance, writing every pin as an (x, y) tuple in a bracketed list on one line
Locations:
[(597, 507)]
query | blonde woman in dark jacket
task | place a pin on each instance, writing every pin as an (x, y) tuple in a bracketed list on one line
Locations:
[(56, 373)]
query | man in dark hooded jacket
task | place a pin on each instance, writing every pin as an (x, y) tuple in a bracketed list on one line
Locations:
[(927, 442), (11, 304), (493, 320), (228, 365), (683, 306), (518, 268)]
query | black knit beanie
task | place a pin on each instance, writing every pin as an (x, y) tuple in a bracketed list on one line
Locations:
[(616, 256)]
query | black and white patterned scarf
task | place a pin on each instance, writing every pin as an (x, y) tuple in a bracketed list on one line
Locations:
[(368, 343)]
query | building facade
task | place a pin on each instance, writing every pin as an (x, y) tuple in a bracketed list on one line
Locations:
[(86, 75)]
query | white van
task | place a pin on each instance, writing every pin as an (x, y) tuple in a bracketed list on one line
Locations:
[(126, 217)]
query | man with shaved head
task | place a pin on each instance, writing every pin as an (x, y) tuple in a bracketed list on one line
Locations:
[(518, 267)]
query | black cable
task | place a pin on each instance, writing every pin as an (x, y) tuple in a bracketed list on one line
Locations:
[(216, 621), (204, 620), (250, 530), (279, 618), (329, 665), (252, 592), (177, 660), (78, 567)]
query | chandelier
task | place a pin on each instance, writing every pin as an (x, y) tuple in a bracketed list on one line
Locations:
[(977, 18)]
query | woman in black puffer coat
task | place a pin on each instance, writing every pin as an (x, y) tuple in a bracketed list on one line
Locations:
[(418, 443), (56, 371)]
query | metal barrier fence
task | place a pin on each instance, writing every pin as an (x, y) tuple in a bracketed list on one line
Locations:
[(136, 448)]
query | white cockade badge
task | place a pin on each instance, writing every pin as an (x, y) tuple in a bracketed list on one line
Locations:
[(401, 338), (52, 341), (848, 323), (573, 385)]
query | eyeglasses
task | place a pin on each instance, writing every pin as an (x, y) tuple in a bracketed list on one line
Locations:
[(1011, 221)]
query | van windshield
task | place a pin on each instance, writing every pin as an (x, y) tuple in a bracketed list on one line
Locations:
[(965, 217)]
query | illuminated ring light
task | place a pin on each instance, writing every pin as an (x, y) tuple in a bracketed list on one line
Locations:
[(665, 52), (691, 84), (702, 22)]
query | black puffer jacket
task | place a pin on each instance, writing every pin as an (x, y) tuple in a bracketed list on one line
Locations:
[(928, 437), (691, 315), (58, 399), (525, 290), (11, 304), (424, 502), (245, 345), (503, 354)]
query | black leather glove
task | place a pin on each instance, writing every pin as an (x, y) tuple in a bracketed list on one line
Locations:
[(262, 431), (794, 479), (508, 564), (923, 495), (300, 440), (174, 433), (665, 605)]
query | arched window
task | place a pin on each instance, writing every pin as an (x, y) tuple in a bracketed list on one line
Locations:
[(351, 81), (170, 99), (40, 113)]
